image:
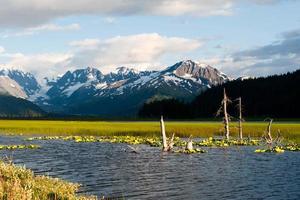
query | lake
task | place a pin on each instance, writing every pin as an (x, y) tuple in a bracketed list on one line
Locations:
[(111, 170)]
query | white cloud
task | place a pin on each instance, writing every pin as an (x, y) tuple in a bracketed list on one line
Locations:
[(33, 12), (134, 50), (86, 43), (42, 65), (43, 28), (140, 51), (54, 27)]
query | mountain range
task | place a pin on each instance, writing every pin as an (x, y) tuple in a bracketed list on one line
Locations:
[(121, 93), (276, 96)]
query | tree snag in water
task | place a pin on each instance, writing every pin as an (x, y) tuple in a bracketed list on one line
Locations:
[(167, 145), (240, 119), (269, 130), (163, 133), (171, 143), (226, 117), (189, 144), (268, 135)]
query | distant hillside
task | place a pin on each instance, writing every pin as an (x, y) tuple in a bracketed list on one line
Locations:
[(275, 96), (16, 107)]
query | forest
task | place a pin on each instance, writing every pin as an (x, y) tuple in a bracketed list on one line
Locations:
[(274, 96)]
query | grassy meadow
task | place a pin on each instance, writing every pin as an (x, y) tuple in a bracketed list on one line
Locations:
[(290, 130)]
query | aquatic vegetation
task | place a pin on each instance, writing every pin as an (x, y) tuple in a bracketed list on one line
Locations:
[(45, 138), (292, 147), (21, 183), (15, 147), (290, 131), (213, 142), (186, 151), (157, 142), (280, 149), (152, 141), (276, 149), (82, 139)]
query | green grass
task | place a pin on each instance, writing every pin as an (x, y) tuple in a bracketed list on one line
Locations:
[(290, 131), (18, 183)]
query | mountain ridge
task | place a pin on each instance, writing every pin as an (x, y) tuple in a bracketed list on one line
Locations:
[(81, 87)]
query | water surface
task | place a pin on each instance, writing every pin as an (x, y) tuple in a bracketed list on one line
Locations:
[(111, 170)]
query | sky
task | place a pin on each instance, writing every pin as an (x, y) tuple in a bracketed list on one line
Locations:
[(238, 37)]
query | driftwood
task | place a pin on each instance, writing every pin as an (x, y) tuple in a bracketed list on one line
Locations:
[(134, 150)]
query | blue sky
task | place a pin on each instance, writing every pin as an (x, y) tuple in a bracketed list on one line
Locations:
[(48, 37)]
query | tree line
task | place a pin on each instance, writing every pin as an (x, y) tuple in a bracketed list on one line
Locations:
[(276, 96)]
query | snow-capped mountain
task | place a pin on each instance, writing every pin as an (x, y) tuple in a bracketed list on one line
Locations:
[(11, 87), (88, 91), (26, 80)]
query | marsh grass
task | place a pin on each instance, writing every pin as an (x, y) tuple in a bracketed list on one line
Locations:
[(290, 131), (19, 183)]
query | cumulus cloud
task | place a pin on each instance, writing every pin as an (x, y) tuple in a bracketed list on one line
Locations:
[(33, 12), (140, 51), (42, 65), (133, 50)]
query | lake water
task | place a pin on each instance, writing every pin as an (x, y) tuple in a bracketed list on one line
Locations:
[(110, 170)]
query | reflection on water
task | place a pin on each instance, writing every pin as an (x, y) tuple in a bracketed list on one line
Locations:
[(110, 170)]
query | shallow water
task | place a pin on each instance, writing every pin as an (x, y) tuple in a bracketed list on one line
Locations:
[(111, 170)]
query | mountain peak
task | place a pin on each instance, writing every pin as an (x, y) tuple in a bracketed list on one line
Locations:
[(189, 69), (125, 71), (26, 80)]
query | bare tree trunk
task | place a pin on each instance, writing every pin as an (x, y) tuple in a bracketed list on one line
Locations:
[(240, 119), (189, 145), (226, 118), (163, 133), (269, 134)]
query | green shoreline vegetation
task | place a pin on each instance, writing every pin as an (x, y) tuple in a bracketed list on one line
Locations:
[(18, 183), (289, 130)]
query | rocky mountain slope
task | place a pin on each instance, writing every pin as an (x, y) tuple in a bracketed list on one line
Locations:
[(26, 80), (11, 87)]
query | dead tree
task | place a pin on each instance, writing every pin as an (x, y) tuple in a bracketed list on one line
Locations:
[(167, 145), (189, 144), (240, 119), (226, 117), (268, 134), (171, 142), (278, 140), (163, 133)]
